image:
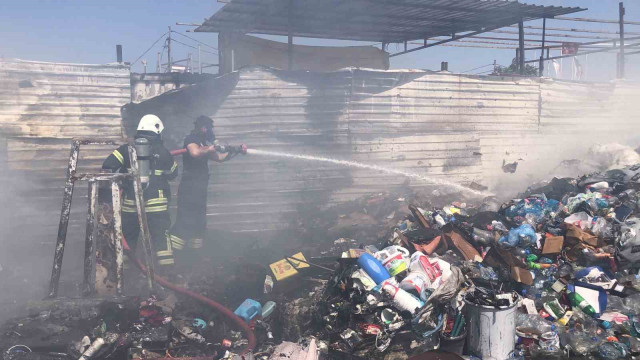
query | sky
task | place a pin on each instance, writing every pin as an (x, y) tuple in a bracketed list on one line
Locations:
[(87, 31)]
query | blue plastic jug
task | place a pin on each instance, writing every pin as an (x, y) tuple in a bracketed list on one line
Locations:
[(373, 267), (248, 310)]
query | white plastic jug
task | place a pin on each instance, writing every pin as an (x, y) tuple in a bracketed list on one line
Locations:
[(394, 258)]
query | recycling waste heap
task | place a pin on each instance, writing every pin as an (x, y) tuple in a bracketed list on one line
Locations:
[(552, 274)]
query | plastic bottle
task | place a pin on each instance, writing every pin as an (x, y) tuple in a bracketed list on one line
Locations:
[(579, 302), (373, 267), (582, 343), (612, 351), (268, 308), (401, 299)]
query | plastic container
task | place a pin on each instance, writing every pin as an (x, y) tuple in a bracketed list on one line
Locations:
[(490, 331), (436, 270), (268, 308), (394, 258), (415, 283), (248, 310), (373, 268), (401, 299), (453, 344)]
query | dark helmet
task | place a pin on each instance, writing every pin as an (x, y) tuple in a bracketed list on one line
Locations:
[(207, 123)]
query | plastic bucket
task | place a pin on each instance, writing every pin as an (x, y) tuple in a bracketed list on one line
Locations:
[(491, 332), (453, 344)]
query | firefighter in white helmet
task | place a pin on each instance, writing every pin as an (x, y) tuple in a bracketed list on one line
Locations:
[(157, 192)]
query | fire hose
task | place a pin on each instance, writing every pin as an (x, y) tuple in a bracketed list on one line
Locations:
[(241, 149), (215, 305)]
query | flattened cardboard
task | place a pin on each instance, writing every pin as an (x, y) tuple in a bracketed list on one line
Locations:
[(553, 245), (573, 232), (521, 275)]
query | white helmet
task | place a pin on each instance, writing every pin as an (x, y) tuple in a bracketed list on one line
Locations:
[(151, 123)]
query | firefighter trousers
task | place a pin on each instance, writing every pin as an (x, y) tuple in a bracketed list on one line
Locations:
[(159, 223), (190, 227)]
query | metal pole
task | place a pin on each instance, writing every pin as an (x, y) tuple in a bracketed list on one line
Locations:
[(290, 37), (88, 287), (158, 62), (199, 59), (521, 46), (64, 220), (119, 53), (222, 53), (548, 54), (544, 30), (621, 61), (117, 234), (142, 216), (169, 51)]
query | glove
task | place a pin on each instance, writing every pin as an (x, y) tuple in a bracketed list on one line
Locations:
[(240, 149)]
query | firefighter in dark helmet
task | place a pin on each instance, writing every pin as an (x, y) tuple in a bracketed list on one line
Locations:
[(191, 221), (157, 192)]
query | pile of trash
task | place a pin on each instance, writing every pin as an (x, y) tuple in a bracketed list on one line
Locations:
[(552, 274)]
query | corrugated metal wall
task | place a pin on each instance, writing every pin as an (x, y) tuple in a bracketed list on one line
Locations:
[(442, 125), (446, 126), (43, 106)]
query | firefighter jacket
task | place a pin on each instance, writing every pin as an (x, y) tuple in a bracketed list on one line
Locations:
[(163, 168)]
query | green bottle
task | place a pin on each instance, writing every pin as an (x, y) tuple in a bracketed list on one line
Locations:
[(579, 302)]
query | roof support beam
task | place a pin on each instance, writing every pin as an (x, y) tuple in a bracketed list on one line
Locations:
[(585, 53), (454, 38), (290, 36)]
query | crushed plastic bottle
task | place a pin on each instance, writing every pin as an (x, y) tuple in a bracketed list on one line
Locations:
[(581, 343), (612, 351)]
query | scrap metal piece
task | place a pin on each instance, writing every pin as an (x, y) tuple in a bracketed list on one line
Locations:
[(88, 286), (117, 239), (64, 220)]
